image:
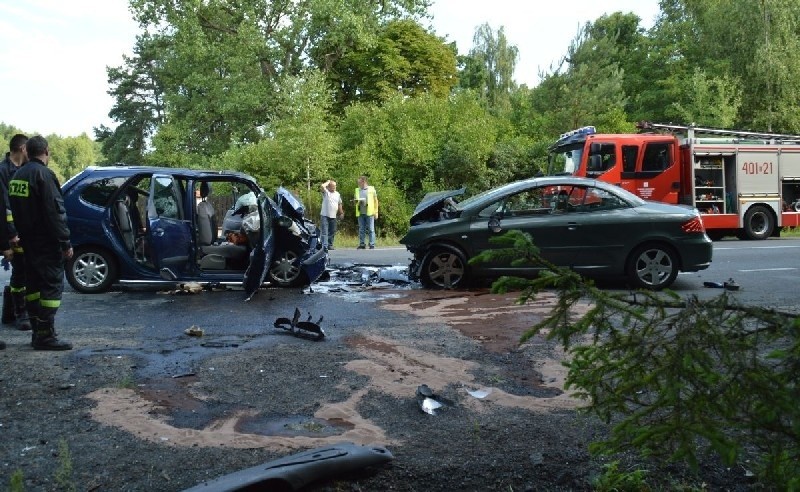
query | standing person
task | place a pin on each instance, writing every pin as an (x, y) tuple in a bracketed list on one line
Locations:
[(5, 245), (15, 158), (41, 221), (331, 210), (366, 199)]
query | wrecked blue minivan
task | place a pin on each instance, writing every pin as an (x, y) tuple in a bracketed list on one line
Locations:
[(148, 225)]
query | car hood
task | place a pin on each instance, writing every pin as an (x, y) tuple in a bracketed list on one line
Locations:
[(433, 202)]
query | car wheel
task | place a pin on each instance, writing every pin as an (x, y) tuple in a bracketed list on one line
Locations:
[(758, 222), (285, 270), (652, 267), (91, 270), (443, 269)]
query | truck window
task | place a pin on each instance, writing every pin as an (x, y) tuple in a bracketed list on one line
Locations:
[(602, 157), (629, 155), (656, 157)]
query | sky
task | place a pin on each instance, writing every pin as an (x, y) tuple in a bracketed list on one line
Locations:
[(54, 53)]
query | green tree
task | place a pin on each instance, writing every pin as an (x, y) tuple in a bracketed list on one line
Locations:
[(71, 155), (489, 66), (709, 101), (299, 147), (676, 379), (752, 45), (404, 59), (138, 93), (220, 63)]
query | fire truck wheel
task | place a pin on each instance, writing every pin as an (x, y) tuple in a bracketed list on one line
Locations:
[(652, 267), (758, 222)]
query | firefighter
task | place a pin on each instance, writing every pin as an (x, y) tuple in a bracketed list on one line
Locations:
[(5, 247), (16, 156), (41, 220)]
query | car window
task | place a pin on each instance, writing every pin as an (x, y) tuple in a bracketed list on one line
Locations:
[(100, 191), (528, 202), (599, 199), (166, 198)]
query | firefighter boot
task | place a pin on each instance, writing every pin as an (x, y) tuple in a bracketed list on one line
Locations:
[(44, 336), (23, 321), (8, 306)]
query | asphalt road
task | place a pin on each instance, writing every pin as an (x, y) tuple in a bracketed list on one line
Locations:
[(767, 271)]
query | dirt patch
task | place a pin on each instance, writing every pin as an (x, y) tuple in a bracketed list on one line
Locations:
[(497, 321)]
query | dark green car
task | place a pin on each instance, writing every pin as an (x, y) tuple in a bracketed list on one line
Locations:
[(592, 227)]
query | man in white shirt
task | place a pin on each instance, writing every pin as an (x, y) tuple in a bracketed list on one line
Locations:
[(331, 209)]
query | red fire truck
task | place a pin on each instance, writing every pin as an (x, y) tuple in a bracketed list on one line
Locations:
[(744, 183)]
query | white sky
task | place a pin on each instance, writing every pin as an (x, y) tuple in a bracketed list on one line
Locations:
[(54, 53)]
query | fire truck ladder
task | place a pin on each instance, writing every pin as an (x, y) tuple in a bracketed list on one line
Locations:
[(690, 131)]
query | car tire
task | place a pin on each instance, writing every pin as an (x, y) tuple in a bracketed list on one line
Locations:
[(652, 267), (758, 222), (91, 270), (444, 268), (285, 270)]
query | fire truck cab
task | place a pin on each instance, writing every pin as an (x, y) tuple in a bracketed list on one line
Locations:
[(744, 183)]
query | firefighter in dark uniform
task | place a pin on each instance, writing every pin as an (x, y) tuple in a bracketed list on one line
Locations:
[(5, 246), (16, 156), (41, 221)]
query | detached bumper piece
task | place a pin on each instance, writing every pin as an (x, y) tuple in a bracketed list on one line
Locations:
[(303, 329), (298, 470)]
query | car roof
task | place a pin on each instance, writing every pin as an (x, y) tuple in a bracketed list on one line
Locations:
[(204, 174), (565, 180)]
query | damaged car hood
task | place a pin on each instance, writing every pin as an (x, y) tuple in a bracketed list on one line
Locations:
[(432, 203)]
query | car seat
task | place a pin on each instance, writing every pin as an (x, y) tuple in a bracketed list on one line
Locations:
[(125, 225), (562, 201), (215, 256), (206, 218)]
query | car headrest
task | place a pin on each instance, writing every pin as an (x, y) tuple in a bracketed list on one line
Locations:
[(205, 189)]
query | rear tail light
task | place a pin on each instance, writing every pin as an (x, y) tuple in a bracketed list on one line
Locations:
[(695, 225)]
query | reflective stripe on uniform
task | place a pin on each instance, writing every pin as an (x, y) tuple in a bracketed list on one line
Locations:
[(50, 303)]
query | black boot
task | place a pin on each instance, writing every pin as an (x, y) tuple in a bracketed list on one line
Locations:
[(2, 345), (23, 321), (44, 336)]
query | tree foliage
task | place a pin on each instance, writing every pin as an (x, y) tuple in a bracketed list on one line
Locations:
[(404, 59), (489, 67)]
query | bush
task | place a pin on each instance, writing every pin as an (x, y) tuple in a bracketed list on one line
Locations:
[(678, 378)]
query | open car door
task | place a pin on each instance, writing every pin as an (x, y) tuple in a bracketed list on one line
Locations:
[(263, 242), (170, 231)]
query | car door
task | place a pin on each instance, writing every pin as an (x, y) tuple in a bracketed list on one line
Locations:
[(263, 242), (170, 233), (596, 229), (529, 210)]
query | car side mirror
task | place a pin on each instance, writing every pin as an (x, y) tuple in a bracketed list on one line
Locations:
[(494, 224)]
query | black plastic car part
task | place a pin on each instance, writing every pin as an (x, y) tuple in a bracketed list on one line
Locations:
[(298, 470)]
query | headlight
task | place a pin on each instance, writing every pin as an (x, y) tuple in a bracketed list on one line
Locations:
[(285, 221)]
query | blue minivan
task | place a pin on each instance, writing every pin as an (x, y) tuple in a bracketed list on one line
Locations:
[(151, 225)]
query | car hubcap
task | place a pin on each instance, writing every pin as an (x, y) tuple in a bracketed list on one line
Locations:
[(654, 267), (286, 269), (445, 270), (90, 270)]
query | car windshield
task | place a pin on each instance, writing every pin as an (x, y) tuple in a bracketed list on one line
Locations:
[(475, 198), (567, 160)]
